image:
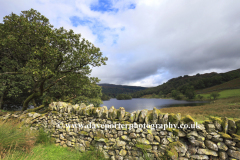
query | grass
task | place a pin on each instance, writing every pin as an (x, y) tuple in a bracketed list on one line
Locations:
[(24, 144), (12, 137), (227, 107), (224, 94), (53, 152)]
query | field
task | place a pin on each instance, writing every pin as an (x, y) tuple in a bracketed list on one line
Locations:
[(224, 94), (226, 107)]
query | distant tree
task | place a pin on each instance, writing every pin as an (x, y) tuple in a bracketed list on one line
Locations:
[(105, 97), (215, 95), (177, 95), (123, 96), (200, 97), (160, 93), (190, 93)]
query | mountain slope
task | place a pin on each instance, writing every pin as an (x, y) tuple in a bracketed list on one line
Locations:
[(233, 84), (182, 83), (113, 90)]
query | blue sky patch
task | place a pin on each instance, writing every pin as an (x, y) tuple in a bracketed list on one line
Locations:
[(132, 6), (103, 6), (78, 21)]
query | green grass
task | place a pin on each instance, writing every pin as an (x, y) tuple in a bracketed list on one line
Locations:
[(24, 144), (53, 152), (224, 94), (12, 137)]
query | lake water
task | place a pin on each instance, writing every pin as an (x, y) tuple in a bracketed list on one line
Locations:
[(143, 103)]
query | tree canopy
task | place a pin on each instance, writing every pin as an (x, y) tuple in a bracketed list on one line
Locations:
[(41, 64)]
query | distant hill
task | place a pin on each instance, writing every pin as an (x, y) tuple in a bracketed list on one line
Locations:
[(233, 84), (198, 82), (113, 90)]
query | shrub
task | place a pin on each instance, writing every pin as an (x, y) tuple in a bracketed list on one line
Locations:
[(215, 95)]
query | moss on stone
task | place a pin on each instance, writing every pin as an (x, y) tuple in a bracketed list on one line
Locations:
[(149, 131), (225, 124), (99, 135), (99, 139), (173, 130), (219, 120), (149, 117), (187, 119), (54, 112), (237, 137), (83, 133), (172, 118), (237, 122), (171, 151), (143, 146), (169, 129), (225, 135), (125, 122)]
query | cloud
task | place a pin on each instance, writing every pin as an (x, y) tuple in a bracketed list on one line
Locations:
[(149, 41)]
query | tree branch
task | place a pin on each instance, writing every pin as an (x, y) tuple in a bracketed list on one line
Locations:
[(53, 83), (11, 73)]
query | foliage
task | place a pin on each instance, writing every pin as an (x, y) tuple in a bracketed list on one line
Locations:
[(105, 97), (42, 64), (177, 95), (233, 84), (190, 93), (215, 95), (113, 90), (123, 96)]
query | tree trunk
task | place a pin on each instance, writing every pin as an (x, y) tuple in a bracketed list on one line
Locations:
[(30, 98), (37, 108), (34, 103), (38, 92), (1, 100)]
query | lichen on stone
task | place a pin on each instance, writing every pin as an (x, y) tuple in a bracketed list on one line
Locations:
[(225, 135)]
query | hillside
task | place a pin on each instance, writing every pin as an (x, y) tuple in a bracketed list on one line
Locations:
[(113, 90), (233, 84), (196, 82)]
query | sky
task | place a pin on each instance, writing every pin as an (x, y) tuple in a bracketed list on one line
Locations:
[(148, 42)]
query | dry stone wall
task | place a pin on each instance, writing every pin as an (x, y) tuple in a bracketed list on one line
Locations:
[(214, 139)]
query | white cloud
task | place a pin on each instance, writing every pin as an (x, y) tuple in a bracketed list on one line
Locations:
[(175, 37)]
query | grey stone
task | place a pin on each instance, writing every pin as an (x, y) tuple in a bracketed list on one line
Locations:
[(211, 145), (234, 154), (207, 152), (223, 155), (222, 146)]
